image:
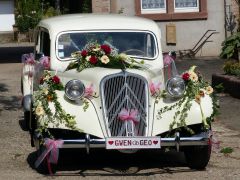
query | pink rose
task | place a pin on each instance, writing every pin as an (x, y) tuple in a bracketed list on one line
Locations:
[(154, 88)]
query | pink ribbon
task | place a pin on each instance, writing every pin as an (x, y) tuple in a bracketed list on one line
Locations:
[(51, 152), (214, 142), (154, 88), (28, 59), (167, 60), (45, 62), (132, 115), (89, 91)]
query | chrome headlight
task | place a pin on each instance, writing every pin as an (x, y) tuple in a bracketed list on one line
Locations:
[(74, 89), (176, 86)]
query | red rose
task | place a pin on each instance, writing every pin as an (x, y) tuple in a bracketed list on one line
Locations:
[(185, 76), (106, 49), (84, 53), (55, 80), (93, 60)]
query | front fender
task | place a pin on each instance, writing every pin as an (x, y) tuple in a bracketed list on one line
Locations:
[(162, 124), (88, 120)]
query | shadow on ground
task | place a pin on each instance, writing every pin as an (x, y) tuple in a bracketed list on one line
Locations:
[(13, 54), (74, 162)]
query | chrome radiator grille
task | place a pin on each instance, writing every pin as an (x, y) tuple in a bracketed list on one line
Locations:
[(124, 91)]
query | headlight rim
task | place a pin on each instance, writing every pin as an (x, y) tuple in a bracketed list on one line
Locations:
[(67, 94), (172, 94)]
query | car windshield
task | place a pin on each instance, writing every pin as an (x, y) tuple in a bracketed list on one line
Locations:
[(135, 44)]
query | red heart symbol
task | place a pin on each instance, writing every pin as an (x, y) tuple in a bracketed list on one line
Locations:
[(110, 142), (155, 142)]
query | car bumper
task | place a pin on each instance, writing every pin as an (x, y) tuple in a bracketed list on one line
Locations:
[(177, 141)]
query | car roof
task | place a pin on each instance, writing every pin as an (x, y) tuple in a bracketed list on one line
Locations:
[(74, 22)]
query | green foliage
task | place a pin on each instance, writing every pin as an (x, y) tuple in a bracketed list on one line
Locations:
[(28, 14), (45, 95), (232, 68), (50, 12), (226, 150), (230, 46), (219, 88), (87, 6), (196, 88)]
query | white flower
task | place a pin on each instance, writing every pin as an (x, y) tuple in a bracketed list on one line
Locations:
[(105, 59), (88, 58), (192, 68), (209, 90), (39, 111), (123, 56), (96, 49), (45, 91), (193, 76), (46, 78)]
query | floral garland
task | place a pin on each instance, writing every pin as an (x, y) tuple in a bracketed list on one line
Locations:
[(47, 94), (196, 88), (42, 97), (96, 55)]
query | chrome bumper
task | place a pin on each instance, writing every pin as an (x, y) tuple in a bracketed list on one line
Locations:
[(177, 141), (165, 142)]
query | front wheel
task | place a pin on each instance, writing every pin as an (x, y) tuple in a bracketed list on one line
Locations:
[(197, 157)]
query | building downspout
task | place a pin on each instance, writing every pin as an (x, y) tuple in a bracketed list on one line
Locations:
[(225, 13)]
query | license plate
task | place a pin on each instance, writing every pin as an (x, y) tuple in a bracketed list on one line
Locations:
[(133, 143)]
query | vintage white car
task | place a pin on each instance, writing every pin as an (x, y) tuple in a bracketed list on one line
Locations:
[(101, 81)]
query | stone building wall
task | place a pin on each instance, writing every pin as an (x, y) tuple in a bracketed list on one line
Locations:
[(100, 6)]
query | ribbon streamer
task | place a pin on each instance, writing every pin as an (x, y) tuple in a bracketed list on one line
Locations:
[(50, 153), (167, 61), (154, 88)]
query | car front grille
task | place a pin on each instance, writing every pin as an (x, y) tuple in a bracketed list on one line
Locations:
[(129, 92)]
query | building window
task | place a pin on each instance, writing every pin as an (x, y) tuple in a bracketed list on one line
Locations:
[(153, 6), (168, 10), (186, 6)]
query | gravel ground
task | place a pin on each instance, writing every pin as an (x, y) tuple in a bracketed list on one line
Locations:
[(17, 156)]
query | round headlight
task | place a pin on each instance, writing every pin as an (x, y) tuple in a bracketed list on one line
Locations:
[(176, 86), (74, 89)]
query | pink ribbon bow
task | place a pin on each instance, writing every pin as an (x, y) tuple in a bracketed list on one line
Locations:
[(132, 115), (28, 59), (154, 88), (45, 62), (51, 152), (89, 91)]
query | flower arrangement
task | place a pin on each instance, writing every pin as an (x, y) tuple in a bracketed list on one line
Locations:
[(45, 95), (196, 89), (96, 55)]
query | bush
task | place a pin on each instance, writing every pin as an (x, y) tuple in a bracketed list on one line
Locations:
[(232, 68), (231, 46)]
